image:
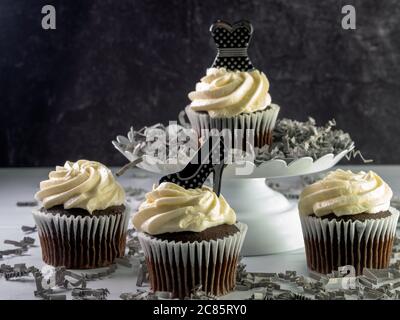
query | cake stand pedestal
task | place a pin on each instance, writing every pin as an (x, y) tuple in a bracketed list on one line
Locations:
[(273, 221)]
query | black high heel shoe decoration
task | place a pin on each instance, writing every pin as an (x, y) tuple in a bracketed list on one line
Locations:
[(232, 42), (208, 159)]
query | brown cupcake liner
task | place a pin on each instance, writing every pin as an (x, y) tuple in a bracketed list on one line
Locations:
[(262, 122), (77, 242), (179, 267), (362, 244)]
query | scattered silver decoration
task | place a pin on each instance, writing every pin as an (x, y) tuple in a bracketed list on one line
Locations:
[(294, 139), (101, 274), (25, 243), (291, 140), (138, 295), (372, 284), (136, 193), (198, 294), (158, 141), (17, 252), (28, 229), (18, 271), (22, 246), (89, 294), (27, 203), (143, 274), (141, 294), (58, 279)]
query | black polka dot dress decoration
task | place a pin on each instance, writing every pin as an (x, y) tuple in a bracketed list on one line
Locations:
[(232, 42), (208, 159)]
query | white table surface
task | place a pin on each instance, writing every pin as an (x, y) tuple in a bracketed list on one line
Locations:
[(20, 184)]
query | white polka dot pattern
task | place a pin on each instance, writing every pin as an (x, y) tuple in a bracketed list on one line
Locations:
[(232, 42)]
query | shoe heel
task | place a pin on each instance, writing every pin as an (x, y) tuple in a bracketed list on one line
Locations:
[(217, 176)]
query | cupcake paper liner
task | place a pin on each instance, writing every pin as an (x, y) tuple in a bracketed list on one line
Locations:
[(77, 242), (363, 244), (179, 267), (262, 122)]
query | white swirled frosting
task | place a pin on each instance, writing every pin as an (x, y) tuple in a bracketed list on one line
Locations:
[(346, 193), (171, 208), (83, 184), (224, 93)]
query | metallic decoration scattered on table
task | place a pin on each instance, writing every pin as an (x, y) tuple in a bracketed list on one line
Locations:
[(198, 294), (141, 294), (100, 274), (17, 252), (27, 203), (143, 274), (22, 246), (28, 229), (25, 243), (372, 284), (17, 271), (89, 294)]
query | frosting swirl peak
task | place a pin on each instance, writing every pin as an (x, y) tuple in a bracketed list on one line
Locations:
[(346, 193), (83, 184), (224, 93), (172, 208)]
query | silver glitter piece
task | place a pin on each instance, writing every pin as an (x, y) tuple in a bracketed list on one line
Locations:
[(198, 294), (137, 193), (24, 243), (90, 294), (124, 261), (294, 139), (165, 143), (17, 252), (143, 274), (369, 293), (28, 229), (27, 203)]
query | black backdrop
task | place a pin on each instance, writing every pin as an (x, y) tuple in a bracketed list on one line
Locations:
[(66, 93)]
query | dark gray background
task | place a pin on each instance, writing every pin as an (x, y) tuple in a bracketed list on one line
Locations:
[(65, 94)]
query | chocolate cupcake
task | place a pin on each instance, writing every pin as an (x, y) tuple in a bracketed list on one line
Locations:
[(84, 216), (347, 220), (237, 101), (190, 237)]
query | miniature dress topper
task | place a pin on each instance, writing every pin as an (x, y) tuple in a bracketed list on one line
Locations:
[(232, 42)]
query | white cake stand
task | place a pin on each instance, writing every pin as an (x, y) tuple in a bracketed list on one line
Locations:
[(273, 220)]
